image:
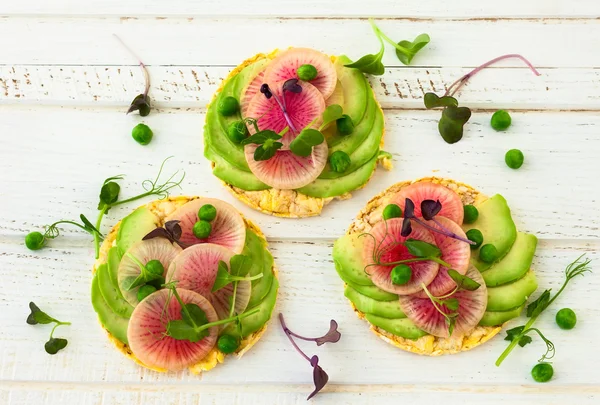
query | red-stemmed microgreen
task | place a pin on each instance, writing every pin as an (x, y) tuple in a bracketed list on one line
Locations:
[(141, 102), (320, 377), (171, 231), (290, 85), (37, 316)]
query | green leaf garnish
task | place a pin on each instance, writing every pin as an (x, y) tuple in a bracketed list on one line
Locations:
[(331, 114), (419, 248), (109, 193), (37, 316), (54, 345), (463, 282), (432, 100), (406, 50), (145, 275), (371, 63), (452, 122), (303, 144), (267, 145), (240, 265)]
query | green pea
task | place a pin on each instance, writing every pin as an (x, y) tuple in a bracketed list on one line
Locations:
[(237, 131), (542, 372), (475, 235), (339, 161), (488, 253), (142, 134), (207, 212), (514, 158), (345, 126), (471, 214), (401, 274), (35, 240), (228, 106), (566, 318), (307, 72), (228, 344), (500, 120), (145, 291), (202, 229), (392, 211), (155, 267)]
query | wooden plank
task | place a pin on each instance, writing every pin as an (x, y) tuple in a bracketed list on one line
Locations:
[(211, 41), (60, 158), (185, 86)]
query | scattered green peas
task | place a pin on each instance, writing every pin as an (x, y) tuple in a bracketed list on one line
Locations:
[(500, 120), (514, 158), (307, 72), (392, 211), (401, 274), (145, 291), (345, 126), (566, 318), (142, 134), (237, 131), (202, 229), (488, 253), (228, 106), (475, 235), (155, 267), (471, 214), (339, 161), (228, 344), (542, 372), (207, 212), (35, 240)]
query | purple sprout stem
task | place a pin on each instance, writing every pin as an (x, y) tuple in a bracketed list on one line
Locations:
[(443, 230), (285, 114), (289, 334), (144, 68), (454, 87)]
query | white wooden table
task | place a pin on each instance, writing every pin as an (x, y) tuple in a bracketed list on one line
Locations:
[(65, 84)]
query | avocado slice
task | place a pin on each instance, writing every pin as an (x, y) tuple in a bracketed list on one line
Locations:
[(262, 262), (513, 295), (497, 227), (114, 258), (515, 264), (324, 188), (347, 256), (372, 291), (134, 227), (355, 88), (236, 177), (384, 309), (114, 323), (246, 75), (399, 327), (499, 317), (111, 294)]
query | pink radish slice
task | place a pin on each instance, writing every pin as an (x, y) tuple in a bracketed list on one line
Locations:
[(452, 206), (228, 228), (286, 64), (286, 171), (195, 269), (148, 324), (144, 251), (454, 252), (249, 92), (302, 108), (389, 249), (471, 307)]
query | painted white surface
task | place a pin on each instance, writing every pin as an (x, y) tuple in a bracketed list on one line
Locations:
[(64, 86)]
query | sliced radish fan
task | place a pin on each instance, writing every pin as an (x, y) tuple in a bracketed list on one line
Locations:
[(148, 325), (452, 206)]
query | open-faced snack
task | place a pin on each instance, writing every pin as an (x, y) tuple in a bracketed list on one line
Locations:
[(166, 278), (290, 131), (435, 266)]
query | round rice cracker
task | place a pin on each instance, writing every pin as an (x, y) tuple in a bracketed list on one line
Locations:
[(286, 203), (426, 345), (162, 209)]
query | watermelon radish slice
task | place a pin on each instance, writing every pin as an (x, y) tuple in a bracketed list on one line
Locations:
[(144, 251), (452, 206), (195, 269), (286, 64), (228, 228), (471, 307), (454, 252), (250, 91), (389, 249), (148, 324)]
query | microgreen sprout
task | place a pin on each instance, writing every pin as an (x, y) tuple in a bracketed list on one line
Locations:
[(239, 266), (153, 270), (37, 316), (37, 240), (320, 377), (303, 144), (518, 335), (267, 141), (171, 231), (141, 102), (290, 85)]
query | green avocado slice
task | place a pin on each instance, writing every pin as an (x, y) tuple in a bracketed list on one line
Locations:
[(515, 264), (513, 295), (114, 323), (399, 327), (497, 227), (373, 292), (323, 188), (114, 258), (236, 177), (134, 227), (499, 317), (355, 88), (246, 75), (347, 256), (111, 294), (262, 262), (384, 309)]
